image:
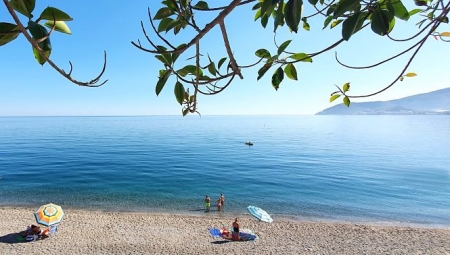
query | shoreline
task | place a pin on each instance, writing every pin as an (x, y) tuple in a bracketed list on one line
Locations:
[(106, 232), (230, 214)]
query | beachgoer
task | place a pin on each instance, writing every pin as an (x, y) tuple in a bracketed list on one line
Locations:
[(31, 230), (207, 203), (219, 204), (222, 199), (236, 236)]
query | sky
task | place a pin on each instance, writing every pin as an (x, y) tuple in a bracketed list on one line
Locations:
[(28, 89)]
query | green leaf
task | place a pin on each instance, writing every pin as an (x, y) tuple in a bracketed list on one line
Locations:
[(420, 2), (8, 32), (256, 6), (290, 71), (221, 62), (283, 46), (264, 20), (262, 53), (177, 54), (264, 69), (189, 69), (334, 97), (293, 14), (302, 57), (277, 78), (163, 24), (38, 32), (38, 56), (410, 74), (313, 2), (25, 7), (382, 22), (346, 101), (162, 59), (306, 24), (49, 12), (344, 6), (163, 13), (202, 5), (336, 22), (346, 87), (279, 17), (60, 26), (327, 21), (397, 8), (257, 14), (184, 2), (163, 77), (212, 68), (412, 12), (352, 25), (179, 92)]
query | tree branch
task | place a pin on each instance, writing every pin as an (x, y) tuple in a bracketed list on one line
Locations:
[(35, 45)]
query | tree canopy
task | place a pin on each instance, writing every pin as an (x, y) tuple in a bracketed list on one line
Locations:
[(192, 76)]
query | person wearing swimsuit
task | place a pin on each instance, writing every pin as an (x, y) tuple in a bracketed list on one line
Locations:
[(207, 203), (236, 236)]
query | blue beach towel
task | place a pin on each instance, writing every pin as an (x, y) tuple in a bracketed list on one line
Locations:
[(215, 232)]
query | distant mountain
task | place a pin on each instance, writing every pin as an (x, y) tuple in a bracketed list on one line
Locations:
[(436, 102)]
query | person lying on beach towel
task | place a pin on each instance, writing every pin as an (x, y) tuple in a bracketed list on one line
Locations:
[(31, 230)]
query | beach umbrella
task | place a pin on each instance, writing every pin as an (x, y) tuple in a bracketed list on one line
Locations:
[(49, 214), (259, 213)]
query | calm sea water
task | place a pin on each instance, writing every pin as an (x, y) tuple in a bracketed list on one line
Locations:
[(393, 169)]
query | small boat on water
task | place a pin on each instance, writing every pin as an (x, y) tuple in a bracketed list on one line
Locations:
[(249, 143)]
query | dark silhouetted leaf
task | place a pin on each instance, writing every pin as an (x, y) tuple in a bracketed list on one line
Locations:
[(381, 22), (293, 14), (163, 13), (352, 25), (8, 32), (344, 6), (262, 53), (163, 77), (179, 92), (264, 69), (24, 7), (283, 46), (277, 78), (221, 61), (202, 5)]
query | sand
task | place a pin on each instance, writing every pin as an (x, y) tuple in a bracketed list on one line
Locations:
[(97, 232)]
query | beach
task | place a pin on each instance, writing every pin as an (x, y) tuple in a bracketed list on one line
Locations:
[(102, 232)]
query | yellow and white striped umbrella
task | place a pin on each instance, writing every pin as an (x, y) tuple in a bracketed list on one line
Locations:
[(49, 214)]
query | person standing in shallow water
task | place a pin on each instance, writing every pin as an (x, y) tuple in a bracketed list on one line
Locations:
[(207, 203), (219, 204), (222, 200)]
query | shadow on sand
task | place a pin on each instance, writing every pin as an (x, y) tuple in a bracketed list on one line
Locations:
[(220, 242), (11, 238)]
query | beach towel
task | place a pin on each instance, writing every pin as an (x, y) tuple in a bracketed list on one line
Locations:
[(215, 232)]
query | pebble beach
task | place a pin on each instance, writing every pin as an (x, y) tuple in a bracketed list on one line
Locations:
[(101, 232)]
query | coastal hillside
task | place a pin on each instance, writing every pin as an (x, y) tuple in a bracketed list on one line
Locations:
[(435, 102)]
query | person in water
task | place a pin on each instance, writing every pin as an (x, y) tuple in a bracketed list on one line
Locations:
[(207, 203), (236, 236), (219, 204), (222, 200)]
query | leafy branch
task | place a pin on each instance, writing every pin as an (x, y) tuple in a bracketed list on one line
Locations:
[(40, 37)]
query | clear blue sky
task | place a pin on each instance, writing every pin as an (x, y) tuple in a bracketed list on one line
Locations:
[(26, 88)]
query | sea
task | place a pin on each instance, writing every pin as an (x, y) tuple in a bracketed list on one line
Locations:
[(362, 169)]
